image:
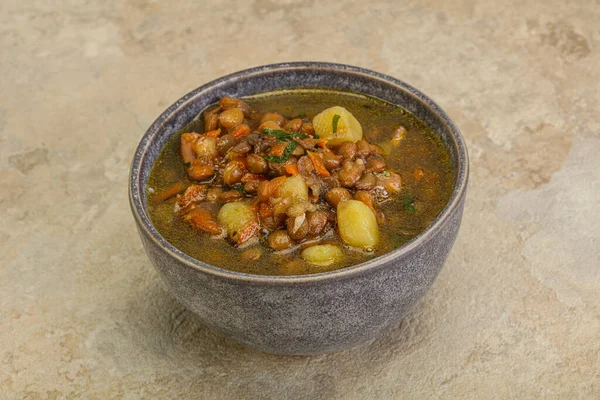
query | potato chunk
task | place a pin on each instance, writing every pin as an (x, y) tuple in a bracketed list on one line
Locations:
[(357, 225), (239, 220), (343, 128), (295, 188), (322, 255)]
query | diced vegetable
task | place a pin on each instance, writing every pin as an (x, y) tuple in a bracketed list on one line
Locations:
[(347, 127), (408, 203), (294, 187), (322, 255), (357, 225), (202, 219), (239, 219), (334, 122), (168, 192), (282, 135), (292, 169), (318, 163), (278, 156), (418, 174)]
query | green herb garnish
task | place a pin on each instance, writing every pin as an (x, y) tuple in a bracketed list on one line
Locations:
[(286, 153), (188, 164), (336, 118), (408, 203), (283, 135)]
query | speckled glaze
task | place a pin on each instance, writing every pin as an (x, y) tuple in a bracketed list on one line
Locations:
[(308, 314)]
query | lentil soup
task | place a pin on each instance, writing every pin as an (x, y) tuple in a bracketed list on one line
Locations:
[(298, 181)]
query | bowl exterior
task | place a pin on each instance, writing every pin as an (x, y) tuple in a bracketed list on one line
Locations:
[(317, 313), (310, 317)]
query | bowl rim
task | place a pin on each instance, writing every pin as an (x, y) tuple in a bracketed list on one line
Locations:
[(451, 206)]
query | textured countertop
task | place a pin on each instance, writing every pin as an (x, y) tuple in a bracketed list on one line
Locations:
[(515, 312)]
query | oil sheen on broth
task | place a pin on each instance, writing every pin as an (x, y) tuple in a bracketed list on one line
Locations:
[(419, 158)]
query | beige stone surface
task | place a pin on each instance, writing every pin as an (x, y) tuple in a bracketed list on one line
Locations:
[(515, 312)]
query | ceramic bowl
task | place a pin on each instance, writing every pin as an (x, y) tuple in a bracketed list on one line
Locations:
[(307, 314)]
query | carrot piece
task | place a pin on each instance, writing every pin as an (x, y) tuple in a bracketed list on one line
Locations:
[(418, 174), (322, 143), (432, 178), (247, 231), (318, 163), (278, 149), (240, 131), (202, 219), (169, 192), (292, 169), (214, 133)]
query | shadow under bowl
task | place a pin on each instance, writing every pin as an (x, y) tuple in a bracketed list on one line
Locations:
[(309, 314)]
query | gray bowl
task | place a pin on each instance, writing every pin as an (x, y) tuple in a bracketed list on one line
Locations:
[(308, 314)]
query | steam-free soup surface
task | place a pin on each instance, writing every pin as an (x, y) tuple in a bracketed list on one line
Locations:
[(408, 148)]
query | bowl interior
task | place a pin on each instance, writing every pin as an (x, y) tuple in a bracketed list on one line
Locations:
[(287, 76)]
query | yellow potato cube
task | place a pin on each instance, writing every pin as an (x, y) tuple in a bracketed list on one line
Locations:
[(294, 187), (238, 219), (338, 125), (322, 255), (357, 224)]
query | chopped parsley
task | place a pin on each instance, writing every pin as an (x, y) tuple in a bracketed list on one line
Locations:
[(286, 153), (335, 121), (283, 135), (408, 203)]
